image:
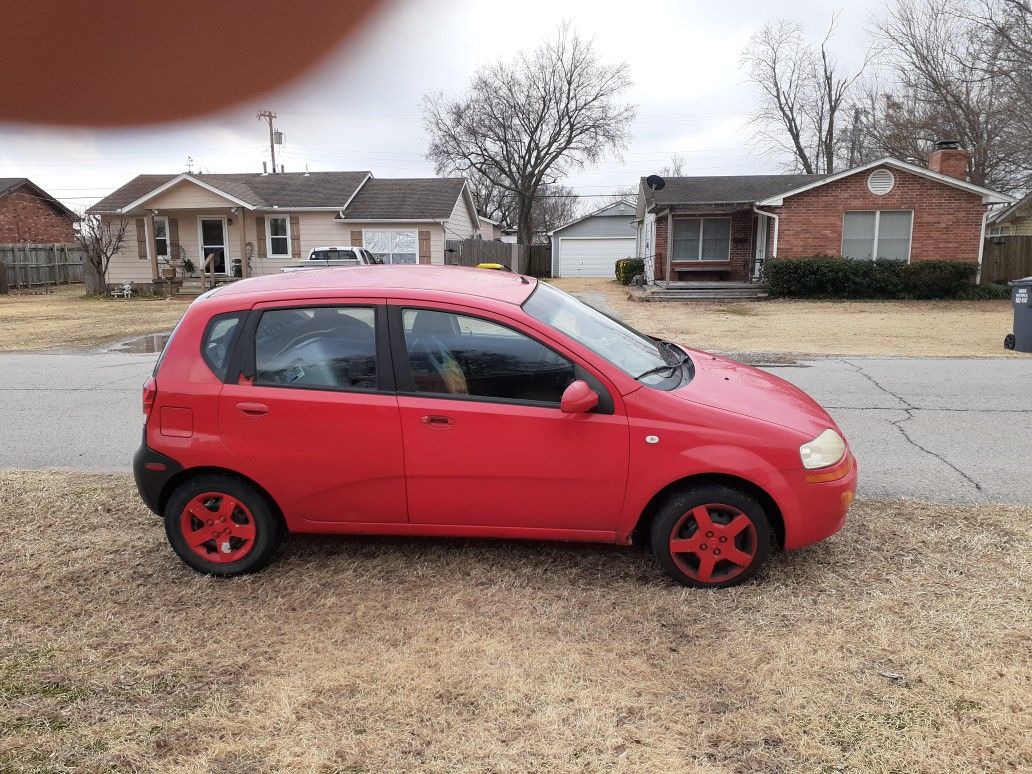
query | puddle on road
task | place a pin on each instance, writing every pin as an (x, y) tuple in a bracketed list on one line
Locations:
[(142, 345)]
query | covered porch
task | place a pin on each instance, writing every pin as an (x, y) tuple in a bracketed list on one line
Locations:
[(197, 248), (702, 246)]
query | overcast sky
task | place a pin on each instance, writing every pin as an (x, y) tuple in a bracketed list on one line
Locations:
[(361, 108)]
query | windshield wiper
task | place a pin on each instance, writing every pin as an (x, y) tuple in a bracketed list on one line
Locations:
[(671, 367)]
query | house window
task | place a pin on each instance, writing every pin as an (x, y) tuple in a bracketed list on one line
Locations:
[(877, 234), (392, 246), (702, 239), (279, 237), (999, 231), (161, 238)]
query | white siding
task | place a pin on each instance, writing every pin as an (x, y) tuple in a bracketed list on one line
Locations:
[(124, 265), (186, 195), (459, 224)]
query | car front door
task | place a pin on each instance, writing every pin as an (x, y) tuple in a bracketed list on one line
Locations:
[(485, 442), (314, 413)]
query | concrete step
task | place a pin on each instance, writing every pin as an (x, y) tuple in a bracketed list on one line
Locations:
[(713, 292)]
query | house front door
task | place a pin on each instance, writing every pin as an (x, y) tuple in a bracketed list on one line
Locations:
[(213, 243)]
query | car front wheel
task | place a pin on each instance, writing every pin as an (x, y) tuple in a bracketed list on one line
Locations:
[(220, 525), (711, 537)]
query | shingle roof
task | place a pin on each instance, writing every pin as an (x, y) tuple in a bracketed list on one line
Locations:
[(290, 189), (414, 198), (724, 189), (8, 184)]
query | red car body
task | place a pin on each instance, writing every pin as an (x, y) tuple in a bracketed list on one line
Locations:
[(389, 461)]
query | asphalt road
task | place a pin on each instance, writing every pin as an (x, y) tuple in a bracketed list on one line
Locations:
[(956, 431)]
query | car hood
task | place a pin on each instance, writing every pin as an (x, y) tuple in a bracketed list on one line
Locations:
[(732, 386)]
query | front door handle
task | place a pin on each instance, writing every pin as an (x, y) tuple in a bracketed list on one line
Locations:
[(253, 409), (438, 422)]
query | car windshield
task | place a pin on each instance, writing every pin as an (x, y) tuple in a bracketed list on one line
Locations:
[(333, 255), (630, 351)]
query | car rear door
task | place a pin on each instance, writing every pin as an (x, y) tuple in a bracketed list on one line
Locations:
[(313, 413), (485, 442)]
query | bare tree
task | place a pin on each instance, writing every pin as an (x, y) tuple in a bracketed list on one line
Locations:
[(554, 206), (99, 238), (1010, 23), (527, 123), (946, 79), (803, 91)]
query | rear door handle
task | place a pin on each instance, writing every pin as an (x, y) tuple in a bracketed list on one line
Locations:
[(253, 409), (437, 422)]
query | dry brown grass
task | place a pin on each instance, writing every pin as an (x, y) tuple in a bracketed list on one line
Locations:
[(68, 319), (901, 644), (890, 328)]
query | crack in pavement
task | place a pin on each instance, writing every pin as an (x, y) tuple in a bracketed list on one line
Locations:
[(909, 409)]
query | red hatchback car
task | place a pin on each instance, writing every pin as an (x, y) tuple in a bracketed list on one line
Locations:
[(440, 401)]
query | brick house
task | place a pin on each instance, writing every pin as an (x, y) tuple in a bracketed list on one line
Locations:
[(29, 215), (723, 228)]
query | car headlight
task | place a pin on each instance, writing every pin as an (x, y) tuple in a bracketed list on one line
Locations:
[(824, 450)]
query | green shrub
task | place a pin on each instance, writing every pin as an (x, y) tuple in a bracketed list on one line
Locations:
[(853, 278), (629, 268), (991, 290), (938, 279)]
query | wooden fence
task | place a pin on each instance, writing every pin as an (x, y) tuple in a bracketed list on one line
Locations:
[(470, 252), (1006, 258), (24, 266)]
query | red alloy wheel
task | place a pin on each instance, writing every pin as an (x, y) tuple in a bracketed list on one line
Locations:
[(218, 528), (713, 543)]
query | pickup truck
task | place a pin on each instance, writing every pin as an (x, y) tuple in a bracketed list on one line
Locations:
[(321, 257)]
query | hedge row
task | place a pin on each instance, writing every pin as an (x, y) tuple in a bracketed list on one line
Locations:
[(882, 278), (629, 268)]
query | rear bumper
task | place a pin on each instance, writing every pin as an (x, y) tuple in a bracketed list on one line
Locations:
[(152, 472), (812, 511)]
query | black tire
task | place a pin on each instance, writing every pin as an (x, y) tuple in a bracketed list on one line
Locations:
[(1009, 342), (743, 540), (256, 509)]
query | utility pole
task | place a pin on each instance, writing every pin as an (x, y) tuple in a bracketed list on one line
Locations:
[(275, 137)]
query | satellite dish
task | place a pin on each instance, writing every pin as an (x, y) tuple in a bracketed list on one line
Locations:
[(655, 182)]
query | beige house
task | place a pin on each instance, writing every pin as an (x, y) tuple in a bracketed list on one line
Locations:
[(237, 225), (1015, 220)]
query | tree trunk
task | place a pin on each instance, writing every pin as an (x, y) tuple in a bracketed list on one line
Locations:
[(524, 232), (94, 278)]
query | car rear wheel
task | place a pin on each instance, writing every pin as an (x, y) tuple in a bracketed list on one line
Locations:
[(711, 537), (220, 525)]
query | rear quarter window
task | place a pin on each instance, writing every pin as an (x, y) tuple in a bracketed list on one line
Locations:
[(219, 339)]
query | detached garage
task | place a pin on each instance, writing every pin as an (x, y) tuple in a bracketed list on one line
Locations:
[(589, 246)]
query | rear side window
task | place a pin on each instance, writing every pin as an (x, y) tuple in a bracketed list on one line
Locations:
[(219, 338), (328, 347)]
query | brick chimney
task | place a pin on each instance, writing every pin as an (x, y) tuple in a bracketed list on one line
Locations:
[(949, 158)]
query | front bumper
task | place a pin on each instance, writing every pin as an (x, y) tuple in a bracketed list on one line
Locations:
[(152, 471), (814, 511)]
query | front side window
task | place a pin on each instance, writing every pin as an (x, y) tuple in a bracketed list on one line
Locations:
[(330, 347), (279, 237), (877, 234), (701, 239), (453, 354), (392, 246), (161, 237)]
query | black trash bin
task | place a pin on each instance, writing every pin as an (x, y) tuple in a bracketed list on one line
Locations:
[(1021, 299)]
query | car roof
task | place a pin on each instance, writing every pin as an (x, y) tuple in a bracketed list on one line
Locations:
[(493, 284)]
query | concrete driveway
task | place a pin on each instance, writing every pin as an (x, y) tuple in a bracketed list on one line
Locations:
[(958, 431)]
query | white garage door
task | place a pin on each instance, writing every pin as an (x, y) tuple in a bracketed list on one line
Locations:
[(592, 257)]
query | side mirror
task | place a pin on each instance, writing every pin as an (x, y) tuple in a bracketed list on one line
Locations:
[(578, 398)]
